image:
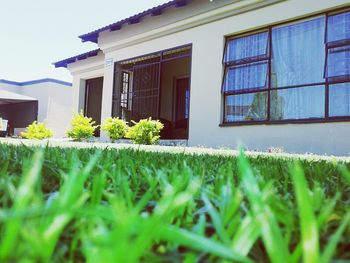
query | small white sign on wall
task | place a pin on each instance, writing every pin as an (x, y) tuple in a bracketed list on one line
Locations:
[(108, 62)]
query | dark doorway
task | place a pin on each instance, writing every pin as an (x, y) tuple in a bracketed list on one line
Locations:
[(18, 113), (93, 100)]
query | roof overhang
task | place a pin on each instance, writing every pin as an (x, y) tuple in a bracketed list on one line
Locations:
[(155, 11), (7, 97), (64, 63), (36, 81)]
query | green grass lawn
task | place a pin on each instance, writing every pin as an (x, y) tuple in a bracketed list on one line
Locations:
[(128, 205)]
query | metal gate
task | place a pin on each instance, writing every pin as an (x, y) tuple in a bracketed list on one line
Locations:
[(137, 81), (145, 92)]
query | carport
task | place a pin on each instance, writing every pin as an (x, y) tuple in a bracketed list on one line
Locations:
[(18, 109)]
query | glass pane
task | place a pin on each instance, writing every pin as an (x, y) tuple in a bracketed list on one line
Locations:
[(298, 53), (298, 103), (338, 62), (339, 100), (339, 27), (251, 76), (246, 107), (247, 47)]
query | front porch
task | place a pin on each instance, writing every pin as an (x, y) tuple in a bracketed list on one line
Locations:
[(156, 85)]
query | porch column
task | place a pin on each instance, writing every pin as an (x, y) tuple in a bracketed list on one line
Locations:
[(78, 94), (107, 93)]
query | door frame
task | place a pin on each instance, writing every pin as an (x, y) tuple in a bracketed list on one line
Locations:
[(175, 80), (86, 101), (162, 59)]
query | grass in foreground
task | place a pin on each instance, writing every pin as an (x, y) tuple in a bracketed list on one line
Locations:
[(129, 206)]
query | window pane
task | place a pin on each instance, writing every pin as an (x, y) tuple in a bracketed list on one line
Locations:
[(339, 100), (339, 27), (250, 76), (246, 107), (298, 53), (298, 103), (248, 47), (338, 62)]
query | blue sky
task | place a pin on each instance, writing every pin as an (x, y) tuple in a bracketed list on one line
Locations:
[(35, 33)]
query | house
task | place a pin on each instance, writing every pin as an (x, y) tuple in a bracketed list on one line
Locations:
[(263, 73), (44, 100)]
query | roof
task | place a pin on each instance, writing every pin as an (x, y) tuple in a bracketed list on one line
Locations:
[(93, 36), (64, 63), (7, 97), (36, 81), (155, 11)]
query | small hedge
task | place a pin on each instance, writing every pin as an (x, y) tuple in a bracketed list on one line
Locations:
[(115, 127), (146, 131), (82, 127), (37, 131)]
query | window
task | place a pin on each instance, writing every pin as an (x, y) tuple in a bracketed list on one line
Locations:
[(294, 72), (246, 78), (338, 47), (339, 100), (125, 94), (297, 66), (125, 90)]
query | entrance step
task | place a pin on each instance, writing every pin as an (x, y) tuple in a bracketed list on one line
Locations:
[(173, 142)]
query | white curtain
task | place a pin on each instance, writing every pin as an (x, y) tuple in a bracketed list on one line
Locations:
[(338, 62), (246, 47), (338, 27), (339, 57), (339, 100), (298, 57), (298, 103), (250, 76), (244, 107)]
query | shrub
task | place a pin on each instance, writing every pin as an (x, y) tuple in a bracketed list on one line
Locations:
[(82, 127), (115, 127), (145, 131), (37, 131)]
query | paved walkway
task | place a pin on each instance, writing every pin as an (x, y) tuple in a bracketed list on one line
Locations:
[(65, 143)]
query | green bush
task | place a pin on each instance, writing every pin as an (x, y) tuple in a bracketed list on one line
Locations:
[(0, 123), (145, 131), (37, 131), (115, 127), (82, 127)]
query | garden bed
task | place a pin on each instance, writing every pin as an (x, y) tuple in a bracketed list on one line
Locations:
[(91, 202)]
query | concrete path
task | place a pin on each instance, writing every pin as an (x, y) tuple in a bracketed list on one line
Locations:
[(66, 143)]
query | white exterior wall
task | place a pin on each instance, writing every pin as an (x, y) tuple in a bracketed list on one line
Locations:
[(208, 38), (10, 87), (82, 71), (41, 93), (54, 103)]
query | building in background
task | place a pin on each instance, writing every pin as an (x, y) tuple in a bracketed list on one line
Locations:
[(262, 73), (44, 100)]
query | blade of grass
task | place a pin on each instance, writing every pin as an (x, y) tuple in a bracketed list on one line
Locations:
[(194, 241), (246, 235), (330, 249), (216, 220), (271, 234), (308, 223), (23, 195)]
